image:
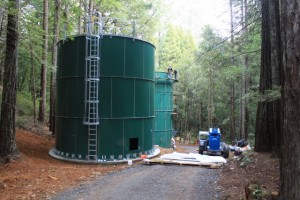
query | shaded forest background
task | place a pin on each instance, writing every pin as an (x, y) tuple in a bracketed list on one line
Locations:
[(218, 75)]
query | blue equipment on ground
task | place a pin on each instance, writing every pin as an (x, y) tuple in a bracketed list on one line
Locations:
[(210, 142)]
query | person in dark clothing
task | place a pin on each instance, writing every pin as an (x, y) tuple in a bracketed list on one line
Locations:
[(175, 74)]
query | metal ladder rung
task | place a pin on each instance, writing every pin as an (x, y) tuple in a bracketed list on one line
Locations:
[(92, 101), (94, 130)]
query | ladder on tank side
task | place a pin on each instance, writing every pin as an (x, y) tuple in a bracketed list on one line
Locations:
[(92, 80)]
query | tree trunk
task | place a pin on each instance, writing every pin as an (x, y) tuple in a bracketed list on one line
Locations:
[(263, 129), (210, 106), (232, 112), (53, 72), (8, 147), (200, 116), (186, 118), (2, 19), (276, 63), (32, 82), (232, 85), (66, 19), (290, 159), (245, 78), (79, 17), (268, 122), (42, 108), (91, 6)]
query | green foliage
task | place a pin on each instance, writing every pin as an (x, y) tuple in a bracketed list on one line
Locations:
[(208, 70), (177, 48), (24, 111), (24, 104), (271, 95), (257, 193), (245, 158), (23, 121), (30, 45)]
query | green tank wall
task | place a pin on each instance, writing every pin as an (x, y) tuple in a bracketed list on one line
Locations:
[(163, 109), (126, 99)]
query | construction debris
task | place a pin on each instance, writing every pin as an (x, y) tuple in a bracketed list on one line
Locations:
[(188, 159), (240, 147)]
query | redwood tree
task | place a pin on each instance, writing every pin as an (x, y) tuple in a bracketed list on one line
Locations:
[(245, 77), (232, 84), (268, 121), (290, 159), (8, 147), (53, 72), (276, 65), (42, 108), (263, 131)]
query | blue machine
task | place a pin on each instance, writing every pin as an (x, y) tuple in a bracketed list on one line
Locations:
[(214, 139), (211, 143)]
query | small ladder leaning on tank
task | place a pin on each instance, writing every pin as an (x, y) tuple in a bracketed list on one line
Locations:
[(92, 78)]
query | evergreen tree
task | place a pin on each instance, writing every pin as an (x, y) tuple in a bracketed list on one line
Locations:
[(8, 147), (289, 162)]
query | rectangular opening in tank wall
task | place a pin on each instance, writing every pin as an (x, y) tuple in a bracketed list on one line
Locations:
[(133, 144)]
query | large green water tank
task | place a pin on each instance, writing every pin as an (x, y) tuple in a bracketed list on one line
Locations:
[(163, 109), (126, 99)]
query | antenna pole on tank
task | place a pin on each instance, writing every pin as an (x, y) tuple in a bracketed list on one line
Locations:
[(94, 31), (133, 29)]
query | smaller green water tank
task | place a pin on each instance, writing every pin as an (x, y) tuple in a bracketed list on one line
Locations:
[(163, 109)]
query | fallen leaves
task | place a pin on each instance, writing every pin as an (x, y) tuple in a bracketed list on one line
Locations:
[(261, 169), (2, 185), (37, 175), (52, 177)]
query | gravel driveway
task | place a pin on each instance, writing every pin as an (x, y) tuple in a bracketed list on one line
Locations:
[(143, 182)]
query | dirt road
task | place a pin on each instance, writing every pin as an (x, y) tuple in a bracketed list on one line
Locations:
[(150, 182)]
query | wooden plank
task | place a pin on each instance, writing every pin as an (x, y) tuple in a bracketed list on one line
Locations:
[(177, 162)]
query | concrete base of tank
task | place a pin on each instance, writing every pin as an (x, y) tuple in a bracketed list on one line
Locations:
[(52, 152)]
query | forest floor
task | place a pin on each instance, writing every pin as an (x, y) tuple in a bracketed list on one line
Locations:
[(36, 175), (258, 171)]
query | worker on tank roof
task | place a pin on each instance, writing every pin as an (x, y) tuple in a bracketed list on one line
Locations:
[(175, 75), (170, 71)]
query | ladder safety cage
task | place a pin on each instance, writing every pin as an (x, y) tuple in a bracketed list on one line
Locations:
[(94, 32)]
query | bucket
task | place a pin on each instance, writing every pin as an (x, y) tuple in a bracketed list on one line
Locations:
[(130, 162)]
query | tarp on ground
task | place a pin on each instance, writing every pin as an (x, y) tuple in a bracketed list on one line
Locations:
[(193, 157)]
